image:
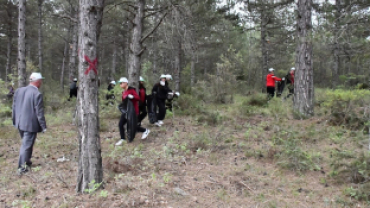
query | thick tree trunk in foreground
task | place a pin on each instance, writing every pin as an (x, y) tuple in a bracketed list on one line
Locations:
[(90, 161), (22, 43), (303, 85), (40, 2), (136, 48)]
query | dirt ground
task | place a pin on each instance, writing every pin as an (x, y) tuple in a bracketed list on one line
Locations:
[(181, 164)]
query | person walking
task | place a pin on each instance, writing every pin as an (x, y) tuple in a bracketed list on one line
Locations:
[(142, 102), (73, 89), (110, 94), (161, 90), (130, 93), (270, 83), (28, 117)]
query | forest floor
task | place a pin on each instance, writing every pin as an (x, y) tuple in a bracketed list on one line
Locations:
[(235, 162)]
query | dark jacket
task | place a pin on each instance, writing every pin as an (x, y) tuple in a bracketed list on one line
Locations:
[(28, 109), (161, 91), (142, 95)]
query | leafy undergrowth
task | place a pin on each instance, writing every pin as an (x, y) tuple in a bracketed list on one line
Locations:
[(251, 156)]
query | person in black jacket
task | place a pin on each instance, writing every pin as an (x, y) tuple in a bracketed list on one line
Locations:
[(110, 94), (160, 90), (73, 89)]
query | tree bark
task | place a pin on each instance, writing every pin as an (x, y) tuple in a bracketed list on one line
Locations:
[(264, 48), (335, 69), (10, 40), (73, 53), (90, 161), (192, 69), (303, 85), (65, 51), (40, 2), (114, 61), (177, 67), (22, 43), (136, 48)]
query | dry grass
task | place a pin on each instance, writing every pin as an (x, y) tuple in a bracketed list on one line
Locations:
[(231, 164)]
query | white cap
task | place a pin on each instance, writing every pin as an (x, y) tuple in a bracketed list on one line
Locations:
[(36, 76), (113, 82), (142, 79), (162, 76), (292, 69), (123, 79), (168, 77), (75, 79), (271, 69)]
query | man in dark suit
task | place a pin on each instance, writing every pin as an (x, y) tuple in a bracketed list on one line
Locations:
[(28, 118)]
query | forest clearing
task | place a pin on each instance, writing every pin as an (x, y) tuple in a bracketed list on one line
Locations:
[(184, 103), (235, 155)]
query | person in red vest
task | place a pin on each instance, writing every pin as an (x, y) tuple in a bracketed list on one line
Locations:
[(270, 83), (290, 81), (142, 102), (130, 93)]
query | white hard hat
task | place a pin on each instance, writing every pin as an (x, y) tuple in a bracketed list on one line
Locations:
[(168, 77), (113, 82), (36, 76), (142, 79), (123, 79), (75, 79), (271, 69), (162, 76), (292, 69)]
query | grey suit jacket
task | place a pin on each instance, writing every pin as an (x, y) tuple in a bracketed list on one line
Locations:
[(28, 109)]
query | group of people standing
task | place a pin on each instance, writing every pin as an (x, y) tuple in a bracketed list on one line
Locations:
[(160, 91), (271, 79)]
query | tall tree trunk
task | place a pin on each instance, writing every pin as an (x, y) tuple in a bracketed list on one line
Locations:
[(40, 2), (22, 43), (177, 67), (336, 64), (303, 85), (65, 51), (192, 68), (73, 53), (90, 160), (264, 48), (136, 48), (114, 61), (10, 40)]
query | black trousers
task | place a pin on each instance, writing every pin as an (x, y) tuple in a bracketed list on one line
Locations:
[(121, 126), (72, 92), (161, 109), (143, 113), (291, 91), (270, 92)]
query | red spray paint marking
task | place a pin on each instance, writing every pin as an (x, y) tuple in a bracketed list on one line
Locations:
[(92, 65)]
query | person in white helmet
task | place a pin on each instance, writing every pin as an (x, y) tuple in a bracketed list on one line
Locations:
[(270, 83), (161, 90), (130, 93), (290, 82), (73, 89)]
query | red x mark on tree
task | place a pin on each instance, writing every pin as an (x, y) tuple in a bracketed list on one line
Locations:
[(92, 65)]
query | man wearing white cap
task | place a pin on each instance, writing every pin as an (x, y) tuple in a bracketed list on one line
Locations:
[(28, 117), (110, 94), (161, 90), (73, 89), (270, 83)]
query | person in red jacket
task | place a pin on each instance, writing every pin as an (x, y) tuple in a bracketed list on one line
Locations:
[(130, 93), (142, 102), (270, 83), (290, 81)]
